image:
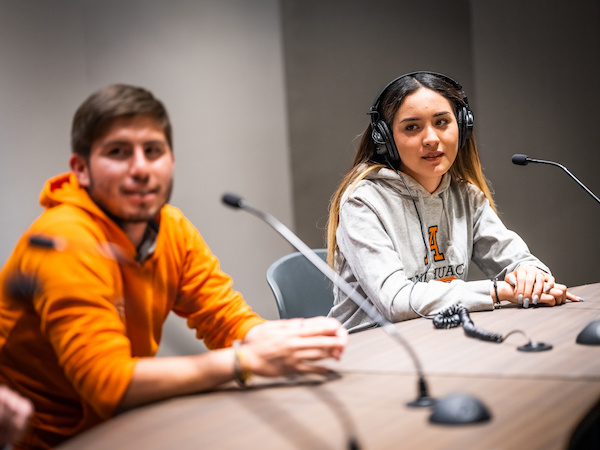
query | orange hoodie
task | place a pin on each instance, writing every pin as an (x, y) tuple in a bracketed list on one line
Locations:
[(70, 341)]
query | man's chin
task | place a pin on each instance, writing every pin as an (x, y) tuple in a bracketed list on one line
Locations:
[(139, 217), (135, 217)]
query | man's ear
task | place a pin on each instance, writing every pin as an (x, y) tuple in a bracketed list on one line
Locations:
[(80, 169)]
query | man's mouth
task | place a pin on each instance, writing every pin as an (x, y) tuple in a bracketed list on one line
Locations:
[(141, 194)]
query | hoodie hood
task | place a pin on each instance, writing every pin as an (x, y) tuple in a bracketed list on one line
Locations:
[(64, 191), (395, 181), (64, 188)]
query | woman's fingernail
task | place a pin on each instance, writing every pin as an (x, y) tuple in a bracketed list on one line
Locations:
[(580, 299), (520, 298), (547, 287), (512, 280), (526, 303), (535, 299)]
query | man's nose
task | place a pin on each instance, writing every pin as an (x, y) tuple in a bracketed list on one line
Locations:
[(139, 163)]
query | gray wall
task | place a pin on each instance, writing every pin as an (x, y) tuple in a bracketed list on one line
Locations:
[(530, 69), (232, 72), (218, 66)]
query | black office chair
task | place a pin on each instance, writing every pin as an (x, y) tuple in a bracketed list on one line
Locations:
[(300, 289)]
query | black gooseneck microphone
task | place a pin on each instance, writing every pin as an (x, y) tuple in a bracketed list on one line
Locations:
[(454, 409), (590, 335), (522, 160), (237, 202)]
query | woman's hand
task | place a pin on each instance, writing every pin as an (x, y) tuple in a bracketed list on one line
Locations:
[(532, 286), (284, 347)]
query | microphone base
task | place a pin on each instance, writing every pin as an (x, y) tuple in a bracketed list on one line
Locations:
[(422, 402), (459, 409), (535, 347), (590, 335)]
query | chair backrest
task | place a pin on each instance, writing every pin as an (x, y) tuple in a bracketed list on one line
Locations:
[(299, 288)]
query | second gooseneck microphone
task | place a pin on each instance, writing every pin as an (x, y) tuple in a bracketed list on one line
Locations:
[(522, 160), (589, 335)]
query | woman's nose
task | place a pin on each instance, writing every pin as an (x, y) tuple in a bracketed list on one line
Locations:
[(430, 136)]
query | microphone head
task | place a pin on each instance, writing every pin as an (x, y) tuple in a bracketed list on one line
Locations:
[(235, 201), (520, 159)]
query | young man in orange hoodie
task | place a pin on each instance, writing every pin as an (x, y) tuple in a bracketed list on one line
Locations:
[(90, 284)]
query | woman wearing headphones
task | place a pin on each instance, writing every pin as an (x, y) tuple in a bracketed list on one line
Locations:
[(415, 209)]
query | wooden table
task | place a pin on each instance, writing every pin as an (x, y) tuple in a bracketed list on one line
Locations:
[(536, 399)]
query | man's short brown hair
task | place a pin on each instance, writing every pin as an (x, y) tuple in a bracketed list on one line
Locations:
[(101, 108)]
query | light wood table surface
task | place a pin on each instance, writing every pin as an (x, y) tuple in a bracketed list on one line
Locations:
[(536, 399)]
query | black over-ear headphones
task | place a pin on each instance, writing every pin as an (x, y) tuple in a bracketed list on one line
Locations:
[(385, 147)]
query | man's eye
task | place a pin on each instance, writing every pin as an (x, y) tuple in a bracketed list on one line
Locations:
[(117, 152), (153, 152)]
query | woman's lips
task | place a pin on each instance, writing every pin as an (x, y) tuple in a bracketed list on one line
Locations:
[(433, 156)]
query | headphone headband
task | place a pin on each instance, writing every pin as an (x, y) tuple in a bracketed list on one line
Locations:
[(375, 108), (386, 151)]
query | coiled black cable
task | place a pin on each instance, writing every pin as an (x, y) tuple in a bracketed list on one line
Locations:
[(455, 315)]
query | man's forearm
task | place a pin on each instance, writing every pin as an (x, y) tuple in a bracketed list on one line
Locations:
[(160, 378)]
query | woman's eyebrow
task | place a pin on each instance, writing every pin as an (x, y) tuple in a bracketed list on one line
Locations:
[(412, 119)]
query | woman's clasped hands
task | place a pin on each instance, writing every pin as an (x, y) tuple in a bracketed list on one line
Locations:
[(529, 285)]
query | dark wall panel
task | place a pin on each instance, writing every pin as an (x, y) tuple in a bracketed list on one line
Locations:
[(338, 55), (538, 83), (530, 69)]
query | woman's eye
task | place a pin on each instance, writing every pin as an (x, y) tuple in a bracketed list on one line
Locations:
[(411, 127)]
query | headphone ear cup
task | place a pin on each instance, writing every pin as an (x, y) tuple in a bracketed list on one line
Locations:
[(465, 125), (377, 138), (468, 125), (385, 147)]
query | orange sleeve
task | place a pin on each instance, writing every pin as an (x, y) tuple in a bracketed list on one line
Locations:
[(77, 303)]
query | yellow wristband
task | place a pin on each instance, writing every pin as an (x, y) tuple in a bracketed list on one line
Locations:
[(241, 371)]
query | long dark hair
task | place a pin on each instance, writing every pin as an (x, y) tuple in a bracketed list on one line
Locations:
[(466, 167)]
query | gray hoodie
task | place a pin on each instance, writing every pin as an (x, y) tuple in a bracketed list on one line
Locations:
[(382, 252)]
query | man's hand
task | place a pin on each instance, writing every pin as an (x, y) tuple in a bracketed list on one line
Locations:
[(15, 412), (289, 346)]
